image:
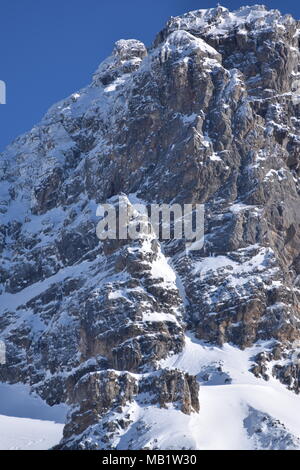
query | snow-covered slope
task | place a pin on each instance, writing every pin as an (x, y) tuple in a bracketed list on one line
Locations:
[(235, 405), (238, 410), (28, 434), (26, 422)]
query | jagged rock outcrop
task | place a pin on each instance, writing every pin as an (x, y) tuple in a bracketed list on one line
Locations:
[(208, 114), (102, 393), (268, 433)]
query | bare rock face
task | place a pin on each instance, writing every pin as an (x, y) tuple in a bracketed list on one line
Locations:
[(208, 114), (101, 394), (171, 386)]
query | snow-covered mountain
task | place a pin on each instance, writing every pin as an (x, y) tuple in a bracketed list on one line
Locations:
[(150, 345)]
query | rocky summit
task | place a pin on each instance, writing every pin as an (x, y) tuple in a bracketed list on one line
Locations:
[(151, 345)]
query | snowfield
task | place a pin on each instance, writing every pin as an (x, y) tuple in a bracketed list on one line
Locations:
[(228, 409), (237, 410), (28, 434), (26, 421)]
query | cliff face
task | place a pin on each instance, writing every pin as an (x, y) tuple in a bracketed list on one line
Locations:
[(209, 114)]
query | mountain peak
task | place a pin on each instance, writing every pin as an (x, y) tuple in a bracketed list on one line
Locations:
[(219, 21)]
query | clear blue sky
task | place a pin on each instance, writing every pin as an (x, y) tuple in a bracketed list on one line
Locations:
[(50, 48)]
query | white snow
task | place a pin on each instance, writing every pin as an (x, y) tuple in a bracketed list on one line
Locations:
[(237, 274), (182, 41), (161, 269), (12, 301), (239, 207), (28, 434), (219, 425), (224, 406), (26, 421), (220, 21), (215, 158)]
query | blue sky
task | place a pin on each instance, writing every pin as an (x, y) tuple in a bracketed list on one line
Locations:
[(50, 48)]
